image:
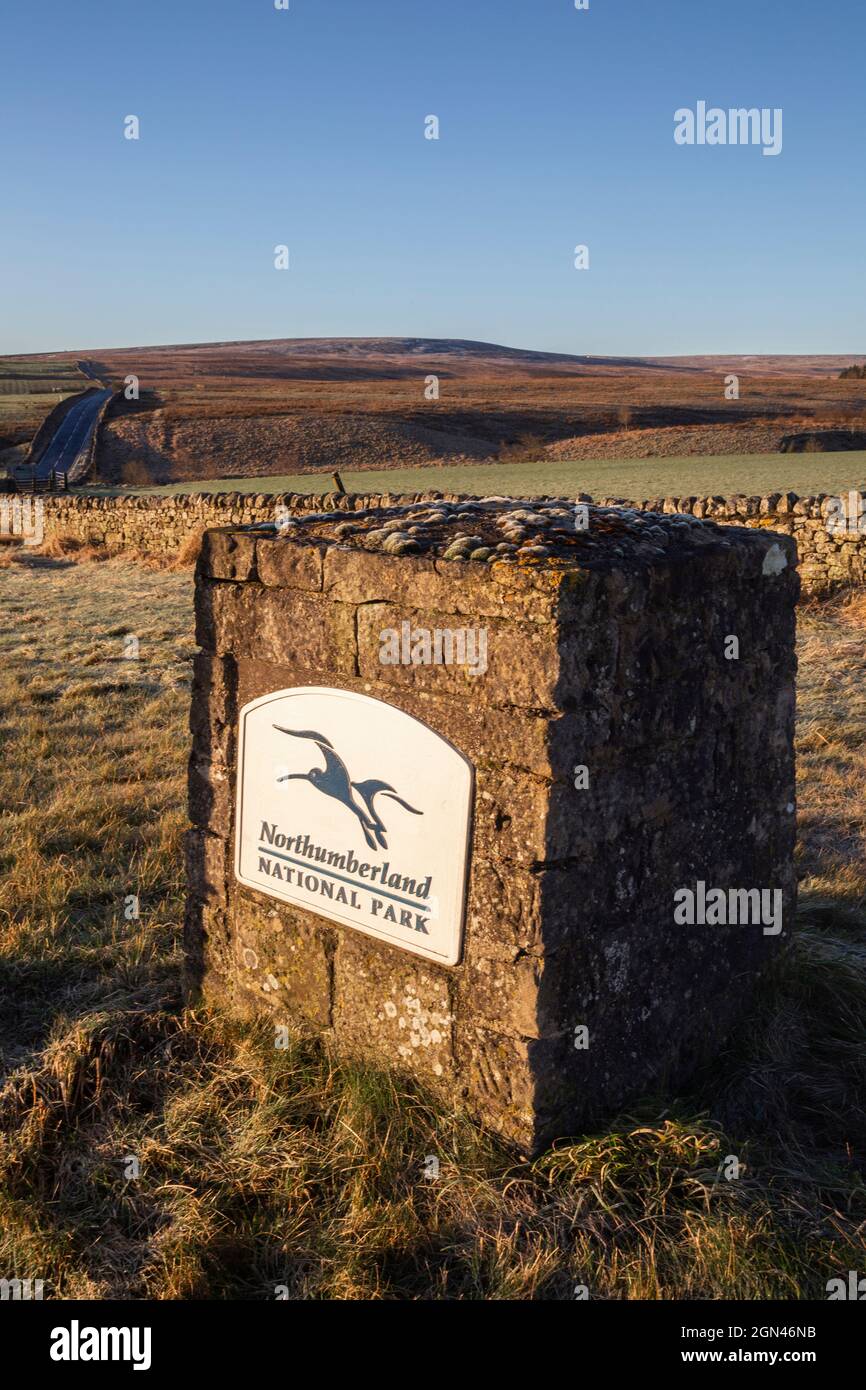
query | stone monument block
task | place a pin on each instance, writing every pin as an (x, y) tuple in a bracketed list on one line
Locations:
[(495, 794)]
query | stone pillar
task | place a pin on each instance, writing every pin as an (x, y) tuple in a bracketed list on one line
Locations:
[(625, 714)]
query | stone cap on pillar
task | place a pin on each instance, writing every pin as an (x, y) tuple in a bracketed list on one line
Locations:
[(497, 539)]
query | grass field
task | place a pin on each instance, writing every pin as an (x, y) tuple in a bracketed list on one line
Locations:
[(260, 1168), (27, 374), (636, 479), (29, 389), (26, 409)]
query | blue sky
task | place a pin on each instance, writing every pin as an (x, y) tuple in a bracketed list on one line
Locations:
[(306, 127)]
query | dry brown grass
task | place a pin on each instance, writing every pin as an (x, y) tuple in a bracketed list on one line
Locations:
[(852, 610), (69, 547), (262, 1168), (77, 551), (189, 550)]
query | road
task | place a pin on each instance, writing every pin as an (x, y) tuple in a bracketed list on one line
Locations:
[(71, 435), (90, 370)]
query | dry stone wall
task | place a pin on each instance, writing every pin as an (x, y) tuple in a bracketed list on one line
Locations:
[(830, 557)]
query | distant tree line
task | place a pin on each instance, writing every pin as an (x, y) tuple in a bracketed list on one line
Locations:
[(858, 373)]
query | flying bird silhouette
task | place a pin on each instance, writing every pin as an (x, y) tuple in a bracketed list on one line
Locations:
[(368, 791), (333, 780)]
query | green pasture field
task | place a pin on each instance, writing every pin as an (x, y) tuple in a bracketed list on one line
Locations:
[(752, 474)]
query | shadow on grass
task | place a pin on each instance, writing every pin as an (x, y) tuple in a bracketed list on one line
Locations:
[(262, 1170)]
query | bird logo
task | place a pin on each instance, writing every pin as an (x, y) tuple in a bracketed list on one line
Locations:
[(358, 797)]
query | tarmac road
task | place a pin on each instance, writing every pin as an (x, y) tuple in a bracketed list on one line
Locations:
[(71, 435)]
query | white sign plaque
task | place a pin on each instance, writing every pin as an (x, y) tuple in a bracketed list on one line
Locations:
[(358, 812)]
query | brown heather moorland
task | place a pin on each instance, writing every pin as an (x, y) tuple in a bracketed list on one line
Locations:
[(289, 406)]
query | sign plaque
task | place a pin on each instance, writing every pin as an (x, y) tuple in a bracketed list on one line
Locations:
[(357, 812)]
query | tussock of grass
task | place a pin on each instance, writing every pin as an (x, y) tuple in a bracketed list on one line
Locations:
[(76, 551), (68, 547), (9, 554), (262, 1168)]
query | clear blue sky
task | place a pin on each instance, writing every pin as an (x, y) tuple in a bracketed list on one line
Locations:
[(306, 127)]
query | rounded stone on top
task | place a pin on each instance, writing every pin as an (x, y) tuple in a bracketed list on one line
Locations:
[(548, 533)]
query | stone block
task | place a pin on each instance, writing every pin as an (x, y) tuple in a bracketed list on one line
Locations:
[(632, 830)]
